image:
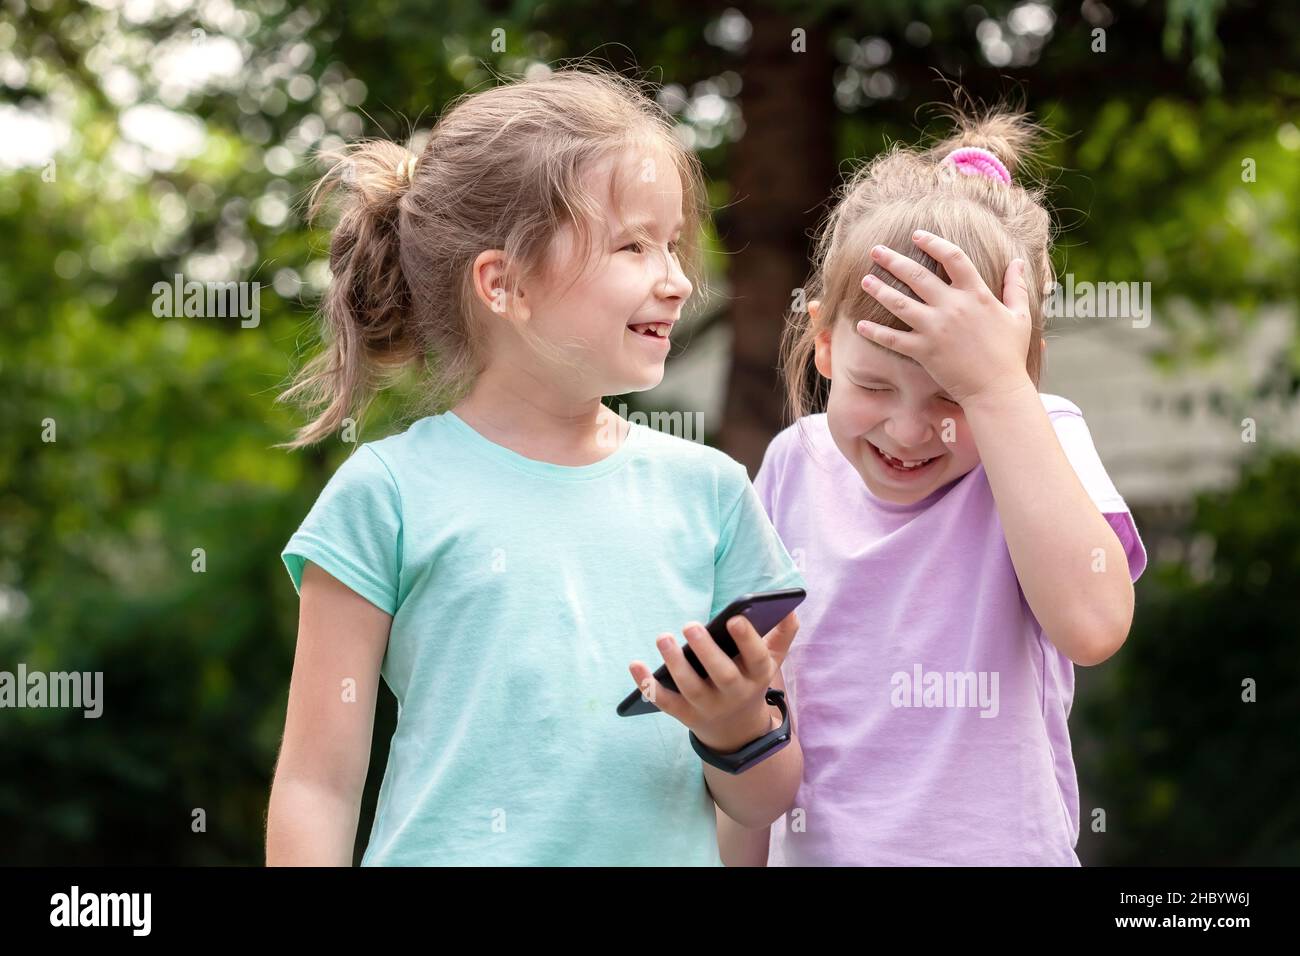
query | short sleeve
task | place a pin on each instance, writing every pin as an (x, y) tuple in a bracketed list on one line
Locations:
[(1076, 440), (750, 556), (354, 531)]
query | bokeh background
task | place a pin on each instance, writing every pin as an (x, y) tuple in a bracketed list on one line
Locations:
[(144, 138)]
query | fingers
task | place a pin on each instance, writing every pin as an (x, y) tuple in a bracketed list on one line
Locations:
[(722, 670), (905, 307), (960, 269), (918, 278), (689, 684), (1015, 290), (779, 639), (670, 702), (693, 692), (905, 343), (753, 652)]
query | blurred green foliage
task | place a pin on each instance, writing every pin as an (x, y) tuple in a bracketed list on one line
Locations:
[(1197, 716)]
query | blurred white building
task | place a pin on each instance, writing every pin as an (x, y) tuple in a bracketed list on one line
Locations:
[(1156, 431)]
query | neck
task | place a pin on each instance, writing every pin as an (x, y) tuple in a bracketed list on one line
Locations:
[(511, 405)]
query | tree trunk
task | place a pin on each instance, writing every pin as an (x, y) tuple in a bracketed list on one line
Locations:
[(782, 172)]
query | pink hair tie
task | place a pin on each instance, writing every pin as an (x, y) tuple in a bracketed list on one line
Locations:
[(975, 161)]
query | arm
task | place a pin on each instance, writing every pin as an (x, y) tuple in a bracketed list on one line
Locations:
[(758, 796), (740, 845), (1052, 527), (325, 753)]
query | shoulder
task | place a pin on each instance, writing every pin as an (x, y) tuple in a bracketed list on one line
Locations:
[(1069, 424), (1067, 420), (698, 472), (1077, 442), (412, 447), (419, 432), (382, 467), (796, 441), (690, 459), (1058, 405), (361, 485)]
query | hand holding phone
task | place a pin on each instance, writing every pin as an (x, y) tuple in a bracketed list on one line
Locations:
[(764, 610)]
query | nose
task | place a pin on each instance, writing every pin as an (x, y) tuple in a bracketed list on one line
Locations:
[(908, 429), (675, 284)]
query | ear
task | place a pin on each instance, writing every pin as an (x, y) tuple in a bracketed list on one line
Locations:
[(488, 273), (815, 309), (822, 352)]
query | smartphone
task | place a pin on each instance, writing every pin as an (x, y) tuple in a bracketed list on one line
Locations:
[(765, 610)]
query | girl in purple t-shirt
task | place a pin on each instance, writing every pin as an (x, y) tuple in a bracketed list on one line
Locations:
[(962, 543)]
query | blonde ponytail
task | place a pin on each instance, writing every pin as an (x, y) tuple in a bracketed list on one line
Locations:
[(367, 308)]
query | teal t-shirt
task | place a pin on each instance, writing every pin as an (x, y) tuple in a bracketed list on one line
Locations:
[(520, 591)]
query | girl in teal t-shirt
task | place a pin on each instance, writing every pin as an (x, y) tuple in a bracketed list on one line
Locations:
[(504, 563)]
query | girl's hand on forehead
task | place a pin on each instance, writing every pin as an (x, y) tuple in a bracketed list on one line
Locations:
[(969, 342)]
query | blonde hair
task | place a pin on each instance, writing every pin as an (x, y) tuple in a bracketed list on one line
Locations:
[(903, 190), (502, 169)]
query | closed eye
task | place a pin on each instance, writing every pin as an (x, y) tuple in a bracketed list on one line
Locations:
[(673, 247), (942, 398)]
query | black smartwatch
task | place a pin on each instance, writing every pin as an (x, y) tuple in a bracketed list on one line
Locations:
[(755, 751)]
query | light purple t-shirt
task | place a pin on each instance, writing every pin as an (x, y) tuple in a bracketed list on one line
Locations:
[(931, 709)]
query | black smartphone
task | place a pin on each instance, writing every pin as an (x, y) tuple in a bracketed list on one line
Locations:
[(765, 610)]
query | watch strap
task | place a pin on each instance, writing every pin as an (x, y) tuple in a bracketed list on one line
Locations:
[(756, 750)]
